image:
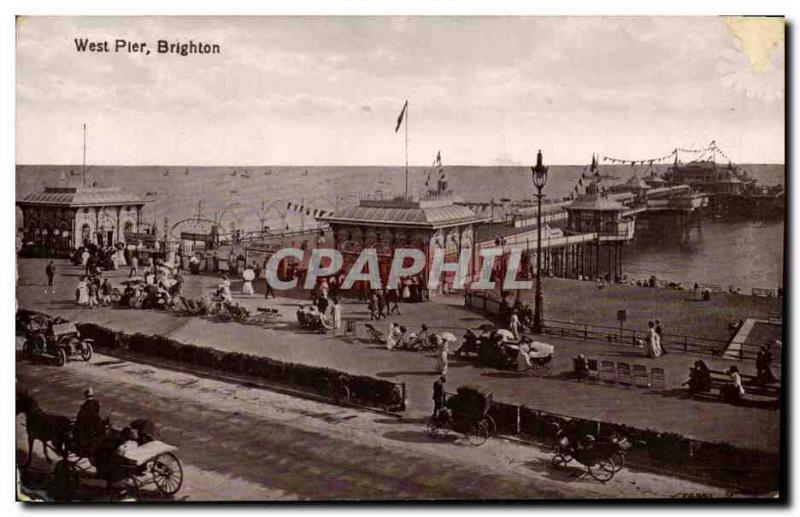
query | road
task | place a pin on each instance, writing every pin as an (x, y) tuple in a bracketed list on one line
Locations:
[(243, 443)]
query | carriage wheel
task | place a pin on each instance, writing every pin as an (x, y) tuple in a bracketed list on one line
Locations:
[(560, 460), (491, 426), (86, 351), (619, 460), (603, 470), (26, 350), (66, 481), (167, 473), (61, 357), (478, 435)]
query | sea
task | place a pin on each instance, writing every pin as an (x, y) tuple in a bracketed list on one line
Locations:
[(742, 254)]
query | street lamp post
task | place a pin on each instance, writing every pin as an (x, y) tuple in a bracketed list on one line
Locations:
[(539, 177)]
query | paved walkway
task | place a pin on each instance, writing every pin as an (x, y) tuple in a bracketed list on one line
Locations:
[(706, 420)]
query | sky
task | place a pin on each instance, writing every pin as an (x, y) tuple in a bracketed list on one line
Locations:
[(328, 90)]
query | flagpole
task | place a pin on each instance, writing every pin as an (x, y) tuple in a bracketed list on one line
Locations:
[(407, 110), (84, 154)]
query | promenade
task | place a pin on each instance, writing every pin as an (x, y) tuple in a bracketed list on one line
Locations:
[(701, 419)]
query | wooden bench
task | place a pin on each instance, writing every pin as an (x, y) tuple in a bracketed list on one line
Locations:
[(657, 381), (776, 318), (624, 374), (766, 293)]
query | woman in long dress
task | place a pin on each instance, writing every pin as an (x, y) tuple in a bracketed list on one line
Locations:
[(441, 353), (247, 286), (83, 292), (653, 341), (337, 314)]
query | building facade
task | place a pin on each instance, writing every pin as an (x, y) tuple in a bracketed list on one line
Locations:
[(387, 225), (63, 218)]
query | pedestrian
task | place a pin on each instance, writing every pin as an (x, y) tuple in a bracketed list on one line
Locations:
[(406, 294), (764, 373), (85, 257), (50, 271), (382, 313), (653, 341), (442, 352), (324, 288), (269, 291), (372, 307), (92, 294), (513, 324), (134, 266), (337, 314), (105, 292), (438, 394), (82, 292), (394, 299), (660, 337)]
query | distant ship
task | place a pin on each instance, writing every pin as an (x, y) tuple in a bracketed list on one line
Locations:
[(268, 173), (233, 173), (166, 172), (73, 173), (151, 194), (186, 172), (305, 173), (245, 174)]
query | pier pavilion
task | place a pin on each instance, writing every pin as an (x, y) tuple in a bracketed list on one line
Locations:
[(59, 219), (386, 225)]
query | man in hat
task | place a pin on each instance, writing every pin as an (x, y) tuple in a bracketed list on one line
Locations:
[(88, 423)]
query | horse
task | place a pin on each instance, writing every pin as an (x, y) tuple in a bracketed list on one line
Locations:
[(42, 426)]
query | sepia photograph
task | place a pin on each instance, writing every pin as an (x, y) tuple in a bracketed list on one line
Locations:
[(399, 258)]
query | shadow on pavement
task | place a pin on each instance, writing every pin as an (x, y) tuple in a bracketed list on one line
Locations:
[(398, 374), (418, 437)]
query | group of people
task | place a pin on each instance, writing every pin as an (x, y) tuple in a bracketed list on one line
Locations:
[(92, 291), (94, 258), (653, 345), (398, 338), (383, 303), (322, 314)]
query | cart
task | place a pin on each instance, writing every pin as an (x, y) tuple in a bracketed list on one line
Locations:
[(60, 341), (153, 464), (467, 413)]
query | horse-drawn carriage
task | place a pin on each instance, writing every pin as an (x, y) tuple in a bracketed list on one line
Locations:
[(602, 459), (467, 413), (126, 460), (151, 463), (60, 341)]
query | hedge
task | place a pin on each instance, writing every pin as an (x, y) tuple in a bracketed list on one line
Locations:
[(325, 381)]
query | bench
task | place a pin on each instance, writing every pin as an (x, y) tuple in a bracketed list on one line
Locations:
[(766, 293), (776, 318)]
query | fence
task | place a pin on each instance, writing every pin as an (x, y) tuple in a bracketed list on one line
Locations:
[(753, 469), (614, 335)]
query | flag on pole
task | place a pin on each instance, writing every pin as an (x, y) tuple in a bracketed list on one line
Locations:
[(400, 118)]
